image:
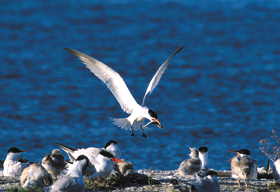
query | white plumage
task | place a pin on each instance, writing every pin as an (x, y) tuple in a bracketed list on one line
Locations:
[(119, 89)]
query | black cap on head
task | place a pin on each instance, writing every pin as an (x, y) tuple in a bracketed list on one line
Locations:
[(82, 157), (203, 149), (244, 151), (211, 173), (110, 142), (106, 154), (14, 150), (152, 114)]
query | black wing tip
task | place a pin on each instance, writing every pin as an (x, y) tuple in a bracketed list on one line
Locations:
[(70, 50), (180, 49)]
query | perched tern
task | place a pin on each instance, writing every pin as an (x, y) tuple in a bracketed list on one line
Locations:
[(203, 156), (14, 164), (101, 165), (111, 146), (125, 166), (190, 166), (276, 170), (243, 166), (209, 184), (73, 181), (36, 175), (54, 163), (119, 89)]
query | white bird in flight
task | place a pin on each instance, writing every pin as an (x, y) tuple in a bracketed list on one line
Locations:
[(119, 89)]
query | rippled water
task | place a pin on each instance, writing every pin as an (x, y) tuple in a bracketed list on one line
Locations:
[(222, 90)]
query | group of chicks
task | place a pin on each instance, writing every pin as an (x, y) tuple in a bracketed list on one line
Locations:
[(243, 167), (91, 162), (95, 162)]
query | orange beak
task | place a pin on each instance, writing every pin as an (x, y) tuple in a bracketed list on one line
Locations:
[(116, 160), (234, 152), (22, 151), (158, 123)]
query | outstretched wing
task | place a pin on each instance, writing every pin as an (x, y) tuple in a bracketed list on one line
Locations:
[(157, 76), (111, 78)]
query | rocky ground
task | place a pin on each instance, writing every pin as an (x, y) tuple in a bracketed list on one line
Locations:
[(164, 177)]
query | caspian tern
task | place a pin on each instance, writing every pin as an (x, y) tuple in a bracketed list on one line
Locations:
[(119, 89), (111, 146), (35, 175), (243, 166), (101, 165), (14, 164), (73, 181), (190, 166), (208, 184), (54, 163)]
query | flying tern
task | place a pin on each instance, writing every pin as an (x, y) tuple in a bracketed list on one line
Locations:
[(117, 86), (14, 164), (243, 166)]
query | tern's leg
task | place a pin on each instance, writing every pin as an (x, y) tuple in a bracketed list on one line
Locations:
[(143, 134), (245, 184), (238, 181), (132, 134)]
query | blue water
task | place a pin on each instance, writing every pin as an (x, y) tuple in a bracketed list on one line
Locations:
[(222, 90)]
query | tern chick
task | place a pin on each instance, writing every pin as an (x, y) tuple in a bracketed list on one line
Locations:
[(243, 166), (73, 181), (190, 166), (138, 113), (14, 164), (35, 175), (124, 166), (54, 163)]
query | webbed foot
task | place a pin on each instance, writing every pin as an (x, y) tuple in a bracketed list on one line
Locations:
[(144, 135)]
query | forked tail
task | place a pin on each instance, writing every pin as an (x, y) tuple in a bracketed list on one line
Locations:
[(66, 148)]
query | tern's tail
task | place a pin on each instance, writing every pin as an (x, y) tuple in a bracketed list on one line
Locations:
[(66, 148), (122, 123)]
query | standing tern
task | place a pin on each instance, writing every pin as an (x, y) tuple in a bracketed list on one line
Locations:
[(36, 175), (111, 146), (203, 156), (14, 164), (119, 89), (276, 170), (190, 166), (54, 163), (73, 181), (243, 166)]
